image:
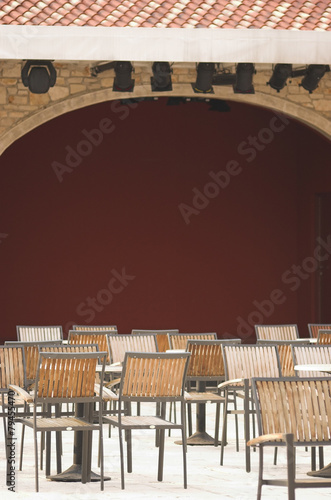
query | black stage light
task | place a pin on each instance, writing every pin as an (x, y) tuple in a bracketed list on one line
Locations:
[(279, 76), (314, 74), (205, 73), (38, 76), (122, 80), (244, 79), (161, 79)]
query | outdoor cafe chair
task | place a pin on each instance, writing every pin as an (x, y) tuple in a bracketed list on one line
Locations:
[(324, 337), (88, 337), (179, 340), (314, 328), (291, 412), (242, 363), (285, 353), (62, 378), (38, 333), (276, 332), (12, 371), (162, 337), (150, 377)]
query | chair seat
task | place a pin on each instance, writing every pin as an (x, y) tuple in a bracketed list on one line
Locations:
[(59, 424), (142, 422), (204, 397)]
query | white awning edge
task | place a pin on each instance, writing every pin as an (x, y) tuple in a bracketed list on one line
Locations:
[(85, 43)]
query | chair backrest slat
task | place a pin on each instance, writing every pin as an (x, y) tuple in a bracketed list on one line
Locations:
[(277, 332), (140, 342), (161, 337), (206, 361), (95, 328), (246, 361), (12, 367), (324, 337), (294, 405), (67, 375), (39, 333), (310, 355), (100, 338), (153, 376), (179, 340), (31, 354), (313, 328)]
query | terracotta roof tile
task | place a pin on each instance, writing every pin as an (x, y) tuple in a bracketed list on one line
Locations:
[(240, 14)]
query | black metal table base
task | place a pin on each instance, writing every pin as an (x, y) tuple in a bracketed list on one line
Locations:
[(74, 474), (200, 439)]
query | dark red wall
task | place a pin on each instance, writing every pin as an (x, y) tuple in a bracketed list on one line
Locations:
[(70, 229)]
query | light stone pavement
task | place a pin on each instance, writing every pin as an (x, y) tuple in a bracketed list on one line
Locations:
[(206, 478)]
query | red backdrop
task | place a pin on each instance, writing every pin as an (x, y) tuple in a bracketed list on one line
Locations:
[(159, 216)]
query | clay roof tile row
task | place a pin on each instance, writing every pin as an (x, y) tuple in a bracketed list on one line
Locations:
[(291, 14)]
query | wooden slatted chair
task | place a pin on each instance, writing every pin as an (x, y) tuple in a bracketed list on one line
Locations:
[(62, 378), (285, 353), (162, 337), (292, 412), (71, 348), (39, 333), (205, 365), (12, 371), (310, 355), (151, 377), (140, 342), (242, 363), (95, 328), (31, 353), (99, 337), (324, 337), (179, 340), (277, 332), (313, 329)]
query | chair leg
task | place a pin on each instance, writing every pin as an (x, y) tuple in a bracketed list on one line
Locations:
[(121, 457), (36, 460), (161, 455), (217, 423), (225, 416), (128, 434), (22, 447), (260, 478), (321, 457), (184, 443), (290, 451), (246, 426)]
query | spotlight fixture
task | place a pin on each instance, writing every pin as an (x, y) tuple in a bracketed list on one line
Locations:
[(38, 76), (161, 79), (244, 79), (314, 74), (122, 80), (205, 73), (279, 76)]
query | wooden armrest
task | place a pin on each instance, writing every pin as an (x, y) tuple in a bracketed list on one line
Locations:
[(22, 392), (187, 396), (265, 438), (107, 394), (112, 383), (230, 382)]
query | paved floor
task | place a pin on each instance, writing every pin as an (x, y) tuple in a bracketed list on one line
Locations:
[(206, 478)]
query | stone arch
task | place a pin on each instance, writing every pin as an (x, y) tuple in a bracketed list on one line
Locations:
[(276, 103)]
